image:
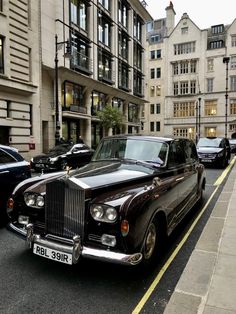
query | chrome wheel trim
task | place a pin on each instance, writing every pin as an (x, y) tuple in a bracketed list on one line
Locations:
[(150, 242)]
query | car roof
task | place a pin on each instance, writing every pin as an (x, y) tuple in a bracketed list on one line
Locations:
[(141, 137), (9, 147), (12, 151)]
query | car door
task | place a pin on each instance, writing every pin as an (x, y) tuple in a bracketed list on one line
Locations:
[(176, 168)]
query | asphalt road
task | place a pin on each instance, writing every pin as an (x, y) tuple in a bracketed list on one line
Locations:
[(30, 284)]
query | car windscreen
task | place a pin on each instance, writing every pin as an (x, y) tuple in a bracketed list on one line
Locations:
[(207, 142), (145, 150)]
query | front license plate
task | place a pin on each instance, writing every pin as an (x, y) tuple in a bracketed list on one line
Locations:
[(55, 255), (39, 165), (206, 160)]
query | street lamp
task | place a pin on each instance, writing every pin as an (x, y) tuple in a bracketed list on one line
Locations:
[(226, 61), (58, 45), (196, 128), (199, 117)]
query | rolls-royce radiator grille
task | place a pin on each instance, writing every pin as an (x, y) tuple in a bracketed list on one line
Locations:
[(64, 210)]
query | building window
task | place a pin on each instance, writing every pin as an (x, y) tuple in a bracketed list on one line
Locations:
[(184, 88), (98, 102), (105, 4), (155, 39), (210, 85), (123, 45), (233, 40), (152, 91), (158, 90), (73, 98), (153, 107), (123, 13), (104, 29), (184, 109), (210, 65), (232, 127), (137, 56), (132, 113), (210, 108), (233, 62), (158, 72), (152, 73), (233, 106), (184, 30), (216, 44), (176, 68), (1, 56), (184, 67), (176, 88), (158, 53), (104, 66), (193, 66), (216, 29), (210, 131), (152, 54), (78, 9), (138, 27), (192, 87), (233, 83), (152, 126), (184, 48), (180, 132), (123, 75), (138, 83), (158, 126), (80, 53)]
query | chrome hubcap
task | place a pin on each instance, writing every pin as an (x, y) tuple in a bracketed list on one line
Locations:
[(150, 242)]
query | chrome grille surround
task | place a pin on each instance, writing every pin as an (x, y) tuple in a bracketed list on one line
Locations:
[(64, 209)]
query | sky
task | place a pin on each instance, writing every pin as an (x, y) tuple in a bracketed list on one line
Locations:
[(204, 13)]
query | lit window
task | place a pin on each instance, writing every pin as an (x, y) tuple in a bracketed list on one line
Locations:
[(210, 107), (210, 65), (210, 131), (233, 106)]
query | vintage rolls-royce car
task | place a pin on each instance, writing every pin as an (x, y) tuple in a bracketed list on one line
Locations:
[(118, 208)]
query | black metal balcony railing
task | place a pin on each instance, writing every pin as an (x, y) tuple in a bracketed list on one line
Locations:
[(75, 108)]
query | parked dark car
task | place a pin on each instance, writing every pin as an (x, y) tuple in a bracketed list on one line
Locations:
[(13, 169), (118, 208), (232, 143), (214, 151), (63, 155)]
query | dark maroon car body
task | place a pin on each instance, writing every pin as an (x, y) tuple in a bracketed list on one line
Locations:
[(117, 208)]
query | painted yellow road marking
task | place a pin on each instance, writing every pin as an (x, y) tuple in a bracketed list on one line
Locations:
[(150, 290), (225, 172)]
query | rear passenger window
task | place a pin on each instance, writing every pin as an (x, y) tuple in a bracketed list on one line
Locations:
[(5, 158), (190, 151)]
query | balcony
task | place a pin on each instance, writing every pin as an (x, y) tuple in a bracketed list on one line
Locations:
[(81, 62)]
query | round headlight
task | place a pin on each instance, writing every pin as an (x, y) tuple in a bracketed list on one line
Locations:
[(111, 214), (97, 212), (40, 201), (29, 199)]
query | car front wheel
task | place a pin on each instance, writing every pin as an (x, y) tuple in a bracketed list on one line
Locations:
[(154, 241)]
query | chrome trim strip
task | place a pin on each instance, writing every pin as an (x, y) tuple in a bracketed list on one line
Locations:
[(76, 250)]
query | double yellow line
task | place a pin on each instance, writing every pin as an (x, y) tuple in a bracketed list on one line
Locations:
[(155, 282)]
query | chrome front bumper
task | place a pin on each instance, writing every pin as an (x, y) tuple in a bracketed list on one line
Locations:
[(74, 247)]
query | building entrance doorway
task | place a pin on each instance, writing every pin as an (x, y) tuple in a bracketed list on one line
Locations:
[(4, 135)]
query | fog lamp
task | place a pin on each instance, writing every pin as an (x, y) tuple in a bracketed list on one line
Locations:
[(108, 240), (24, 220)]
